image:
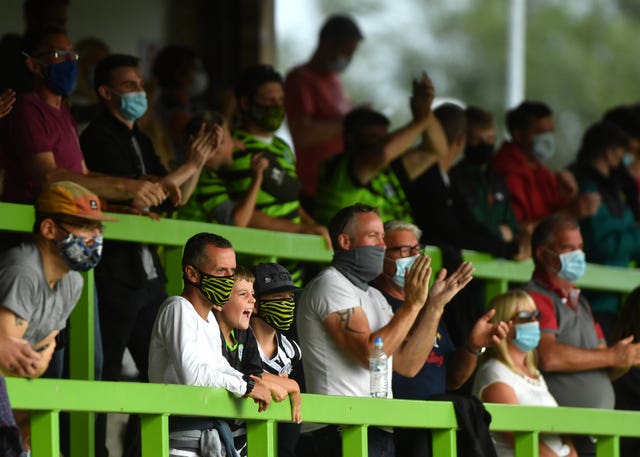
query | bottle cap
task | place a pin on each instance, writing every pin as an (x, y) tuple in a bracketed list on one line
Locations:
[(378, 340)]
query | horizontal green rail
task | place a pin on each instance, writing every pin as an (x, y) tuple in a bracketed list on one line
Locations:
[(47, 397)]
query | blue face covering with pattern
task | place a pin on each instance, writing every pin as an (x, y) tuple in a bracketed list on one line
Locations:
[(79, 255)]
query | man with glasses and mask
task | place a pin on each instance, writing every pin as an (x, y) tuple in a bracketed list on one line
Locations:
[(39, 280), (573, 355), (446, 368), (340, 316), (40, 139), (130, 280)]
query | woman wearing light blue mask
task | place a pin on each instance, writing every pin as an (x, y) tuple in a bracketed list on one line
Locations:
[(509, 373)]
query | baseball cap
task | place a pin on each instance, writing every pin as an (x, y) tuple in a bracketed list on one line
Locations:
[(271, 278), (70, 198)]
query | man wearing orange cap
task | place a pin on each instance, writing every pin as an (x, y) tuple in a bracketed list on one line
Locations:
[(39, 280)]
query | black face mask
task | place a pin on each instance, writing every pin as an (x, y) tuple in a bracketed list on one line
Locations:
[(479, 154)]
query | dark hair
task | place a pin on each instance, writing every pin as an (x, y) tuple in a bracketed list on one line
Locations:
[(520, 117), (253, 77), (360, 118), (37, 13), (210, 118), (625, 117), (479, 118), (629, 318), (243, 272), (194, 252), (598, 138), (104, 69), (343, 221), (34, 40), (453, 121), (546, 230), (172, 61), (340, 28)]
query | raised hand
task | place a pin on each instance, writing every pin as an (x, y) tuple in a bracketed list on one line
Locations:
[(422, 96), (485, 333), (416, 282), (444, 289), (7, 99)]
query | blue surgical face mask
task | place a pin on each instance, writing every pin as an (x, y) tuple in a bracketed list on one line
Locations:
[(402, 266), (572, 265), (527, 336), (79, 255), (544, 146), (60, 77), (628, 159), (133, 105)]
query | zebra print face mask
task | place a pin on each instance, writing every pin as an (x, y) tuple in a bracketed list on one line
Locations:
[(278, 312), (216, 289)]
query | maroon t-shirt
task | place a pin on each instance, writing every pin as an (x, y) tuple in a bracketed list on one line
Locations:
[(34, 127)]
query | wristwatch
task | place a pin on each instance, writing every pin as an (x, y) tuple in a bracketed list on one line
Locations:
[(476, 353), (250, 383)]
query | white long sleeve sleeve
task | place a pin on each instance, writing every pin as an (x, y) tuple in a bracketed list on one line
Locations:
[(186, 349)]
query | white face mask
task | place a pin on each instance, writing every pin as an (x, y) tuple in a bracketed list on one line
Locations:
[(402, 266), (544, 146), (199, 84)]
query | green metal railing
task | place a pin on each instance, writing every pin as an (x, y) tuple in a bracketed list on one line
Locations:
[(45, 398)]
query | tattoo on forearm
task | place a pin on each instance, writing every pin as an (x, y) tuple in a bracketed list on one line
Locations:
[(345, 318), (19, 321)]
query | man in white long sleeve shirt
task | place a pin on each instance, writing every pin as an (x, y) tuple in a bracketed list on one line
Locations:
[(185, 343)]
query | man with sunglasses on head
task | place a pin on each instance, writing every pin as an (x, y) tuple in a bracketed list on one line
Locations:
[(573, 355), (446, 368)]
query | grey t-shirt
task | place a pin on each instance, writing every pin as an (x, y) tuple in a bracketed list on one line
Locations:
[(24, 290), (328, 369)]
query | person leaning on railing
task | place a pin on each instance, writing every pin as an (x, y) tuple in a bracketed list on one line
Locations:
[(186, 346), (508, 373), (40, 283)]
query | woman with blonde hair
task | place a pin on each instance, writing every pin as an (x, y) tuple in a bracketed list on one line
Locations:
[(509, 373)]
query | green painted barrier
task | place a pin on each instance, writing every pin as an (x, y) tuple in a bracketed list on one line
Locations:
[(46, 398)]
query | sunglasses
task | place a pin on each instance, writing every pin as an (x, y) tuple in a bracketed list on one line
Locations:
[(527, 315)]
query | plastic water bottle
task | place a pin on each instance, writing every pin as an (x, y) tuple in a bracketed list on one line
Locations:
[(378, 367)]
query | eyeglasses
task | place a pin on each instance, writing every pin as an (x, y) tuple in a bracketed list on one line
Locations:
[(57, 54), (527, 315), (406, 251), (83, 227)]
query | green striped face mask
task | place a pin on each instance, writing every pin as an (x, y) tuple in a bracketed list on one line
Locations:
[(278, 312), (216, 289)]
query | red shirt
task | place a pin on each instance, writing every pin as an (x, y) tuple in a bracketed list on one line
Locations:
[(545, 305), (533, 189), (320, 97), (35, 127)]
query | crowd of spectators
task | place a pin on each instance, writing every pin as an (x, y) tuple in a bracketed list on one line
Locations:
[(81, 131)]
